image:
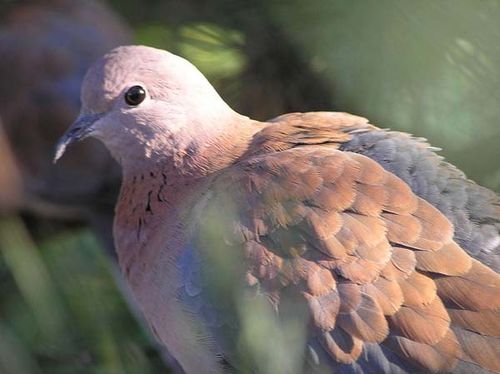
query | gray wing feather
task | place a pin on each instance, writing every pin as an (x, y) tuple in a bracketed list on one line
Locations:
[(473, 210)]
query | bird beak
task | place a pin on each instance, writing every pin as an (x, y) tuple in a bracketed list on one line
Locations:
[(79, 130)]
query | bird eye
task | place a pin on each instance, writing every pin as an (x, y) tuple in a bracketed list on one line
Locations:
[(135, 95)]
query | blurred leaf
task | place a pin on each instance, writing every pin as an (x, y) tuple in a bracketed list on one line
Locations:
[(267, 344), (68, 315), (155, 35), (33, 279), (215, 50), (14, 358)]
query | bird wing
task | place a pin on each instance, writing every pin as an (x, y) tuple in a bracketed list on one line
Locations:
[(473, 210), (384, 286)]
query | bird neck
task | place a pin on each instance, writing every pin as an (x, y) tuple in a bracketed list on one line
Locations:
[(198, 149), (163, 189)]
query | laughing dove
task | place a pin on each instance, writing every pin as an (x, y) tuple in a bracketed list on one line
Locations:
[(380, 252)]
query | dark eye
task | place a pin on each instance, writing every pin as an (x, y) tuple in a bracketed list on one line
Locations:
[(135, 95)]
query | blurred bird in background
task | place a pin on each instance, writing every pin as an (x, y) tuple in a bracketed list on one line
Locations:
[(46, 49)]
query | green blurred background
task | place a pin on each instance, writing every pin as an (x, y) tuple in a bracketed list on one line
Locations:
[(431, 68)]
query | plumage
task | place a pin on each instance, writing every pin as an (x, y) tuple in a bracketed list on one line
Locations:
[(318, 223)]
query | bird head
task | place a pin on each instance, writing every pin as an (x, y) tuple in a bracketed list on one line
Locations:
[(144, 103)]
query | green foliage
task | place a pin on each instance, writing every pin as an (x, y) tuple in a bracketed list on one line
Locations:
[(261, 341), (425, 67), (213, 49), (61, 311)]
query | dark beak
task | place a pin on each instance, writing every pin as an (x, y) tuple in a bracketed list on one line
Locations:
[(79, 130)]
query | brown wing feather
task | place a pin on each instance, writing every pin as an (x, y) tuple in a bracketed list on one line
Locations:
[(374, 263)]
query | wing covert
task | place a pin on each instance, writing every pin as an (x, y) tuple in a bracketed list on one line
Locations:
[(374, 266)]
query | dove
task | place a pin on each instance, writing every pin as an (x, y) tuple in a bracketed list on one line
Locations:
[(381, 256)]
